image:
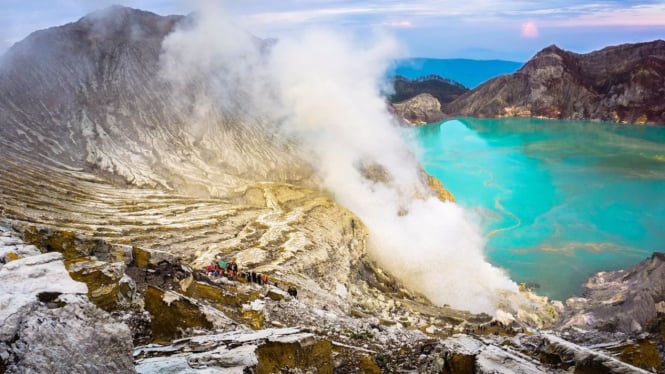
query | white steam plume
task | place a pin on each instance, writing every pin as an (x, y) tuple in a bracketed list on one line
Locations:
[(323, 88)]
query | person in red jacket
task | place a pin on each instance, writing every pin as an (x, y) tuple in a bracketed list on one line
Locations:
[(209, 270)]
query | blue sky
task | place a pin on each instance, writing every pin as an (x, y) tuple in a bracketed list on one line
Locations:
[(482, 29)]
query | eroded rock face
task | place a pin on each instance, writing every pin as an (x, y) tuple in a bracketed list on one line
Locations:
[(91, 98), (266, 351), (173, 315), (619, 84), (108, 286), (47, 323), (625, 300), (304, 352), (77, 337), (23, 280), (564, 354)]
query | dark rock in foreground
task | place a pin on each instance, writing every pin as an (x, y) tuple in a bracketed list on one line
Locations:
[(47, 325), (624, 300)]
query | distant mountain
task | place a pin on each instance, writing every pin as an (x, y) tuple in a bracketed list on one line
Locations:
[(445, 90), (624, 83), (468, 72)]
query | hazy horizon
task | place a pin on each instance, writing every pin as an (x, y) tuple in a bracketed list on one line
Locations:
[(479, 30)]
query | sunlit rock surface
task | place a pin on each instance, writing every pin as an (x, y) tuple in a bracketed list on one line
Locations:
[(108, 286), (47, 323), (266, 351), (420, 109)]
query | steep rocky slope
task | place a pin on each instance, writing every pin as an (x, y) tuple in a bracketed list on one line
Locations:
[(87, 96), (621, 84)]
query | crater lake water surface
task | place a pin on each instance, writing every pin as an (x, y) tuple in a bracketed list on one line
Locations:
[(557, 200)]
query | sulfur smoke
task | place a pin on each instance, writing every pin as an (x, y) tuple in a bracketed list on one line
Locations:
[(322, 90)]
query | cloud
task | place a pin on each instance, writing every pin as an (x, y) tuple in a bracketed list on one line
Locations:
[(404, 24), (652, 15), (529, 30), (305, 15)]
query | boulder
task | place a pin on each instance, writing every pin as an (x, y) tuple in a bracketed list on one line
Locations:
[(76, 337), (66, 242), (288, 350), (623, 300), (47, 324), (144, 257), (302, 351), (23, 280), (173, 314), (561, 353), (108, 286)]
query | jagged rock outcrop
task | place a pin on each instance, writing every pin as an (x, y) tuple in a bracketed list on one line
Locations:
[(108, 286), (173, 314), (266, 351), (625, 300), (622, 83), (46, 322)]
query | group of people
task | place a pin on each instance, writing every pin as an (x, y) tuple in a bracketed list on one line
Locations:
[(257, 278), (223, 268), (230, 270)]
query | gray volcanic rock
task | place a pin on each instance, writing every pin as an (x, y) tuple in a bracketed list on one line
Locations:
[(47, 325), (624, 83), (88, 96), (494, 355), (77, 337), (265, 351), (624, 300)]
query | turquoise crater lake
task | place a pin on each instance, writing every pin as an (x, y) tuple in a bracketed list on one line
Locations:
[(557, 200)]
